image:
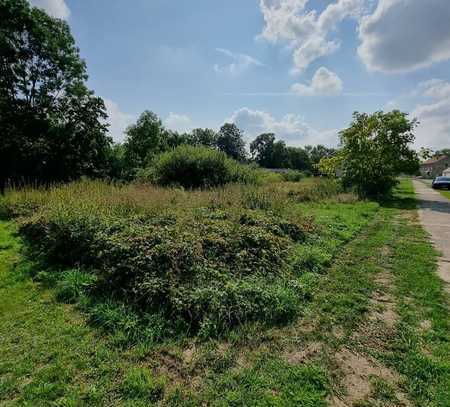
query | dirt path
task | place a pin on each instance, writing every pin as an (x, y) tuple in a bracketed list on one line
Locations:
[(434, 213)]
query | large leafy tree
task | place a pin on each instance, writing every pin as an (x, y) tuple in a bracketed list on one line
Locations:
[(145, 139), (262, 148), (280, 155), (375, 149), (275, 154), (316, 153), (231, 141), (52, 126), (299, 159), (203, 137), (443, 151)]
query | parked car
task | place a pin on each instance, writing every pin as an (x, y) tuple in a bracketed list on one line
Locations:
[(441, 183)]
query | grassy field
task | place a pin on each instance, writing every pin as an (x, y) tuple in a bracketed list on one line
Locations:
[(371, 329)]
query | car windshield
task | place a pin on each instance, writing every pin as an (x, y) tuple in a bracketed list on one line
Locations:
[(443, 179)]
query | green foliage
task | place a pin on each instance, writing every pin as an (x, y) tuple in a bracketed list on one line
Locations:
[(375, 150), (53, 127), (442, 151), (117, 166), (144, 140), (199, 167), (72, 284), (292, 176), (269, 153), (230, 140), (203, 137), (316, 154), (299, 159), (261, 149), (166, 262), (213, 272)]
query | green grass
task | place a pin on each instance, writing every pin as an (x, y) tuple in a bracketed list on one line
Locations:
[(49, 355), (445, 193), (423, 356), (52, 356), (270, 382)]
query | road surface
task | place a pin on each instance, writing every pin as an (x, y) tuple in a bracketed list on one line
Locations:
[(434, 213)]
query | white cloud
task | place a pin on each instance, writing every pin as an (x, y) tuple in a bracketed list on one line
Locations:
[(55, 8), (118, 121), (323, 83), (433, 114), (405, 35), (290, 128), (240, 64), (178, 122), (306, 32)]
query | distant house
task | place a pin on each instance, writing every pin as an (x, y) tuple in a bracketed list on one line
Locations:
[(446, 172), (434, 167)]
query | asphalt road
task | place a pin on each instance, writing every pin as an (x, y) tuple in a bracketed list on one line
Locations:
[(434, 213)]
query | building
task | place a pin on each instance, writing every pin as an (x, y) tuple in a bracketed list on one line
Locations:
[(446, 172), (434, 167)]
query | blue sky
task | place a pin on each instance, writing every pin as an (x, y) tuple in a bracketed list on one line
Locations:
[(298, 68)]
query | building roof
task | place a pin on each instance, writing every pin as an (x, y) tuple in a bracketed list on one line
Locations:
[(434, 160)]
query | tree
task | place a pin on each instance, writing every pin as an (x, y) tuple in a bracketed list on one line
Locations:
[(316, 153), (261, 149), (203, 137), (425, 153), (299, 159), (172, 139), (53, 127), (116, 162), (144, 139), (280, 155), (375, 150), (230, 140), (443, 151), (269, 153)]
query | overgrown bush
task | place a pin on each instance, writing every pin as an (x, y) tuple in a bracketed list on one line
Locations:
[(149, 262), (198, 167), (293, 176), (213, 271)]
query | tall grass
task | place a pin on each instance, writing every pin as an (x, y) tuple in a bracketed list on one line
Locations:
[(110, 199), (199, 261)]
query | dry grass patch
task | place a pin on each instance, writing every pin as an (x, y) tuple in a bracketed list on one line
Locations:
[(358, 373)]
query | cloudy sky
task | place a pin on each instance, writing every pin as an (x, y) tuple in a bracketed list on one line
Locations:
[(298, 68)]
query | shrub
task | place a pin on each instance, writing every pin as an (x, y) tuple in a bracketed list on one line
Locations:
[(376, 149), (198, 167), (293, 176), (212, 272), (155, 262)]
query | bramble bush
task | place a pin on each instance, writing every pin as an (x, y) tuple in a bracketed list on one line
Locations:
[(212, 272), (148, 262)]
